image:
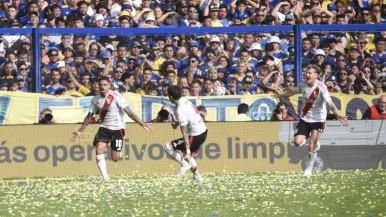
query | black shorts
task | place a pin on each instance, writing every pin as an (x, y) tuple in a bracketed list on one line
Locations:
[(305, 128), (195, 143), (115, 137)]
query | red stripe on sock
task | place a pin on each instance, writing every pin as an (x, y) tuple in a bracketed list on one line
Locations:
[(195, 169)]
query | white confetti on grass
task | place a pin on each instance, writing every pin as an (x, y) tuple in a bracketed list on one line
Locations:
[(330, 193)]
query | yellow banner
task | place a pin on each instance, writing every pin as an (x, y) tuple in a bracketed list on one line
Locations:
[(24, 108), (46, 150)]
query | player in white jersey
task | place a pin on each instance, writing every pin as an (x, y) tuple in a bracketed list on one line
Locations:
[(111, 107), (193, 130), (314, 113)]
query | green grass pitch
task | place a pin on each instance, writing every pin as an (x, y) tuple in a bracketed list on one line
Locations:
[(330, 193)]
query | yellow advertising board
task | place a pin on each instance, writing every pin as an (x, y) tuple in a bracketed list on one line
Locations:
[(24, 108), (46, 150)]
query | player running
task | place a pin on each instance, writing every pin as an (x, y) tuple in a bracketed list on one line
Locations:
[(313, 117), (193, 131), (112, 107)]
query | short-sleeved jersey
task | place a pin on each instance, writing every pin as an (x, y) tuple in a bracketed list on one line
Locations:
[(314, 101), (110, 110), (187, 114)]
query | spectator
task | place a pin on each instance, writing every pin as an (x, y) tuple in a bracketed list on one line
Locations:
[(128, 83), (379, 56), (319, 58), (350, 15), (147, 77), (343, 81), (376, 16), (193, 50), (289, 82), (231, 87), (208, 88), (333, 9), (10, 17), (183, 82), (182, 14), (169, 57), (71, 89), (171, 77), (192, 70), (340, 7), (195, 88), (260, 18), (151, 89), (247, 87), (366, 16), (280, 11), (242, 113), (55, 85), (9, 72), (125, 20), (4, 86), (163, 89), (277, 52), (209, 55), (94, 88), (222, 15), (185, 91), (315, 42), (376, 111), (378, 89)]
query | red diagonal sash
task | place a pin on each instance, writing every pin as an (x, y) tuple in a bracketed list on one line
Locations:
[(109, 99), (310, 101)]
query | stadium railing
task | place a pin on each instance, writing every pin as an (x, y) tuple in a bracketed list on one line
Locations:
[(36, 35)]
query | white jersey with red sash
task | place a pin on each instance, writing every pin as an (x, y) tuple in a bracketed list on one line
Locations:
[(314, 101), (111, 110), (187, 114)]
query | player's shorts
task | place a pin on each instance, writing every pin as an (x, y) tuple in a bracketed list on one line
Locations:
[(305, 128), (115, 137), (195, 143)]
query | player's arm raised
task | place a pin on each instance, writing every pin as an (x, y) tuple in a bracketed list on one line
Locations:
[(341, 118), (135, 118), (85, 123), (280, 93), (184, 130)]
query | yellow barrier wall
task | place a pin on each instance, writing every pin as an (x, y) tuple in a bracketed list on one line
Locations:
[(24, 108), (46, 150)]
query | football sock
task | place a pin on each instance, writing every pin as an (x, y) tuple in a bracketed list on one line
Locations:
[(303, 143), (312, 156), (101, 161), (193, 165), (174, 154)]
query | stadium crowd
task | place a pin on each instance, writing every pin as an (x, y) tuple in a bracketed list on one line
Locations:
[(202, 65)]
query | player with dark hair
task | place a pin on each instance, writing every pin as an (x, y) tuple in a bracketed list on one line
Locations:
[(314, 113), (193, 130), (202, 111), (111, 107)]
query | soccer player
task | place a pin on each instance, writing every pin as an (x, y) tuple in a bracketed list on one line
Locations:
[(111, 107), (193, 130), (314, 113)]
